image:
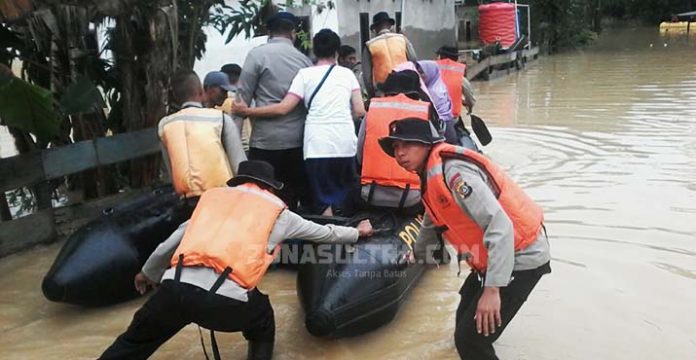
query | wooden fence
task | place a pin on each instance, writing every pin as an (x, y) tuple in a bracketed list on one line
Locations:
[(36, 167)]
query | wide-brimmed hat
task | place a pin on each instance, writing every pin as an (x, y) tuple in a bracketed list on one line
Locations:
[(381, 17), (401, 82), (410, 130), (448, 51), (255, 171)]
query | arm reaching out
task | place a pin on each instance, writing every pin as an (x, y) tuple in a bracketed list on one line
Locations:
[(290, 101)]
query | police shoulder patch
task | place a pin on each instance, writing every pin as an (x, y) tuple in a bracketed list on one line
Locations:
[(462, 188)]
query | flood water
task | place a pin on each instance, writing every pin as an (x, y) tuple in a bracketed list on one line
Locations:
[(603, 139)]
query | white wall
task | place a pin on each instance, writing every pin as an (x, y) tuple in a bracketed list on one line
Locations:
[(218, 53)]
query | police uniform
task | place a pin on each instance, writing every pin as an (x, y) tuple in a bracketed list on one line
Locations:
[(491, 223)]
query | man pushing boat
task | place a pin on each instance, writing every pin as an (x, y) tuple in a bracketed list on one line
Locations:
[(210, 267)]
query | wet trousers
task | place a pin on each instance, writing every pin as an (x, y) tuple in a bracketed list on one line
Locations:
[(474, 346), (177, 304)]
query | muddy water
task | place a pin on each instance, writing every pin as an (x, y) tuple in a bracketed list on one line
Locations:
[(604, 139)]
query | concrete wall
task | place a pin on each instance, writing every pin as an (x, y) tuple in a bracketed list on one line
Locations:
[(466, 14), (429, 24), (349, 17)]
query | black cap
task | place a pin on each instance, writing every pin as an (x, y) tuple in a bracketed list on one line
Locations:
[(401, 82), (410, 130), (380, 18), (278, 18), (255, 171), (448, 51), (231, 69)]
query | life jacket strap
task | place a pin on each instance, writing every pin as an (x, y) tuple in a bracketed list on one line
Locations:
[(371, 193), (404, 195), (213, 342), (221, 279), (179, 265)]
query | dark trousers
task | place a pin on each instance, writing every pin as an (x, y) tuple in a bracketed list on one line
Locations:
[(177, 304), (474, 346), (290, 169)]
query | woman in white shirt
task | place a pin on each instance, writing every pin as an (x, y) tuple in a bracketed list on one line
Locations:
[(332, 97)]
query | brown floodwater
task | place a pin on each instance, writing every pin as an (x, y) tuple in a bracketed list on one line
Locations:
[(604, 139)]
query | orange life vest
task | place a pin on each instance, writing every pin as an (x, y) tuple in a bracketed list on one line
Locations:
[(377, 167), (459, 229), (197, 157), (230, 229), (387, 51), (452, 73)]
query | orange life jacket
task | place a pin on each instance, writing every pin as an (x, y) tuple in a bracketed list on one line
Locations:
[(459, 229), (377, 167), (452, 73), (387, 51), (230, 229), (197, 157)]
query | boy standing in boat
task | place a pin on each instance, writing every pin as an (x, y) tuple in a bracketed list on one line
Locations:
[(201, 147), (209, 268), (487, 218)]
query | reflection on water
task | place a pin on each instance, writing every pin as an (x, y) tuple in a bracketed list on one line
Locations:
[(604, 139)]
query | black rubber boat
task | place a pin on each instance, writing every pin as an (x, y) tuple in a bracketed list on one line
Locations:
[(351, 290), (98, 262), (344, 290)]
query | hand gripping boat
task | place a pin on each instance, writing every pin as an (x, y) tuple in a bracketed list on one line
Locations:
[(359, 287)]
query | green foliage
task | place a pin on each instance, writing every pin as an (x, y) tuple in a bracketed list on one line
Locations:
[(585, 37), (305, 39), (561, 24), (246, 17), (649, 11), (28, 107), (81, 96)]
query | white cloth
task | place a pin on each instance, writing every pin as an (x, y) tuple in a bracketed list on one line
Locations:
[(329, 131)]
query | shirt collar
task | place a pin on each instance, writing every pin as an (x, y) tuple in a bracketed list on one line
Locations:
[(385, 31), (279, 39), (189, 104)]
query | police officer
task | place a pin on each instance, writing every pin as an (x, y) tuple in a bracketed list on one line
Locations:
[(210, 267), (487, 218)]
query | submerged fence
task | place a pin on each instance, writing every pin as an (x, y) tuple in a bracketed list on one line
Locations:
[(40, 166)]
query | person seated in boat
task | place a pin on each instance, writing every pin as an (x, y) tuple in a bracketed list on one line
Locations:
[(438, 94), (208, 270), (489, 220), (459, 89), (200, 146), (332, 97), (383, 182), (453, 74)]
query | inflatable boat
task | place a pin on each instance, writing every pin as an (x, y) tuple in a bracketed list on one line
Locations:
[(98, 262), (350, 290), (344, 290)]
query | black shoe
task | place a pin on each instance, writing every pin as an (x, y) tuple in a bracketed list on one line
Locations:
[(259, 350)]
